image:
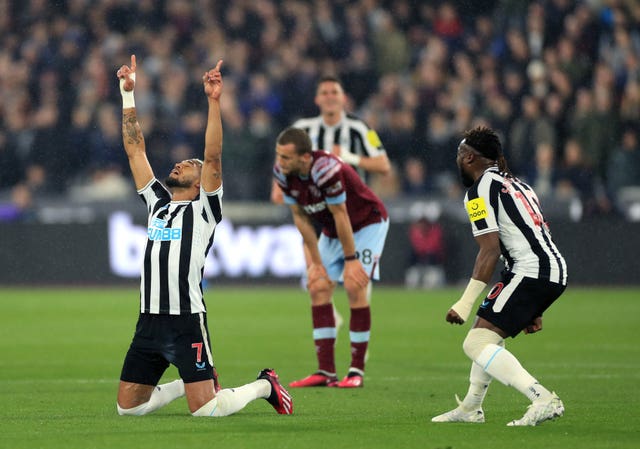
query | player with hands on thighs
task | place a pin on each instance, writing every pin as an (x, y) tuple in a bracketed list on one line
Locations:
[(319, 187)]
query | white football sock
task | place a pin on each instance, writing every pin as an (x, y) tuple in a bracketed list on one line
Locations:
[(161, 396), (230, 400), (479, 381), (502, 365)]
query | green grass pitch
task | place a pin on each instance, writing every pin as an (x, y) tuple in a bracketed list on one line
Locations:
[(61, 352)]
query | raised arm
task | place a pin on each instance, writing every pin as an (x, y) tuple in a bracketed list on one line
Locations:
[(211, 178), (131, 133)]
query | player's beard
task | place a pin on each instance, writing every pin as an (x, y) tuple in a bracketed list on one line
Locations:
[(176, 183), (467, 180)]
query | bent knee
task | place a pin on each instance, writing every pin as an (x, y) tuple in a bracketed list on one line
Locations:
[(353, 288), (477, 339), (320, 290)]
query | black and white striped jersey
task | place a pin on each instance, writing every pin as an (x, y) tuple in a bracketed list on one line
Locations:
[(351, 134), (497, 203), (180, 234)]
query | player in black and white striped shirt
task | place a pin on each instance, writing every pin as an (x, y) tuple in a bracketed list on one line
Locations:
[(506, 219), (343, 134), (172, 326)]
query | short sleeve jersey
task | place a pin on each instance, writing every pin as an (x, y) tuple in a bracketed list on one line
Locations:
[(350, 134), (179, 236), (497, 203), (331, 181)]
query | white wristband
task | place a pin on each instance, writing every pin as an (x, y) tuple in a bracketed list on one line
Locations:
[(127, 96), (350, 158), (465, 303)]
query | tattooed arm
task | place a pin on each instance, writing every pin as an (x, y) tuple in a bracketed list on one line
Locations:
[(131, 132), (211, 177)]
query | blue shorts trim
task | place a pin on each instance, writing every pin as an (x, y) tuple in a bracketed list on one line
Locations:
[(369, 243)]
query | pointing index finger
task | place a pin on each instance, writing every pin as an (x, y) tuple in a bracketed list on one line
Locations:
[(133, 63), (218, 65)]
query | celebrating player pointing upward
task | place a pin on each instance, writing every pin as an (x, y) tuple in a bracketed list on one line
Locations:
[(172, 326), (506, 219)]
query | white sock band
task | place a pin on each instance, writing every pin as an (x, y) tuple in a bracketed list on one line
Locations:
[(161, 396), (230, 400), (477, 339)]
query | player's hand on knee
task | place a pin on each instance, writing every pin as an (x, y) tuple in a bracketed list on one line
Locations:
[(354, 275), (534, 327), (318, 282)]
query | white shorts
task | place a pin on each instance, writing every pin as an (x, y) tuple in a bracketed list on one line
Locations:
[(369, 243)]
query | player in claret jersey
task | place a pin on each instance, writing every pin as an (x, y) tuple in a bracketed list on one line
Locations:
[(320, 187)]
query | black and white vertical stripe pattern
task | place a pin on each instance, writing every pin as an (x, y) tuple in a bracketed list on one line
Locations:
[(513, 210), (180, 234), (351, 134)]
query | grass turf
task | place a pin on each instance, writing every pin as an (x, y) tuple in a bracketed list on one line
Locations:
[(61, 352)]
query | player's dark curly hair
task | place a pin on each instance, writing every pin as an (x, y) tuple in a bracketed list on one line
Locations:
[(486, 142), (298, 137)]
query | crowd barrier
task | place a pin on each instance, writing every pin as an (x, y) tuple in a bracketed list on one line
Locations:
[(109, 251)]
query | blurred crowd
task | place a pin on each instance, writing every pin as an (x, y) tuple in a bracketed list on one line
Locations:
[(559, 79)]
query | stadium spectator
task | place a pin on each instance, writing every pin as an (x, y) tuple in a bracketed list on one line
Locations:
[(577, 179), (542, 175), (19, 206), (292, 43), (528, 131), (416, 180), (534, 277), (172, 326), (428, 249), (319, 187), (623, 167)]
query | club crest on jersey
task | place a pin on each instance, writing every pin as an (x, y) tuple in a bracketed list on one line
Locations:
[(477, 209), (314, 191), (337, 187), (158, 231)]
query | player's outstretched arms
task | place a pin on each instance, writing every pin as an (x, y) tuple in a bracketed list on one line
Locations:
[(132, 137), (212, 168)]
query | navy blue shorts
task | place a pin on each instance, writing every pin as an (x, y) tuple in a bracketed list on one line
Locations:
[(160, 340), (515, 301)]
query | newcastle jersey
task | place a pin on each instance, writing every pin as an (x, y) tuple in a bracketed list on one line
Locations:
[(180, 234), (351, 134), (497, 203)]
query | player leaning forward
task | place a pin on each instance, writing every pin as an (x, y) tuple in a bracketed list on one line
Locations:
[(320, 186), (172, 326), (506, 219)]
